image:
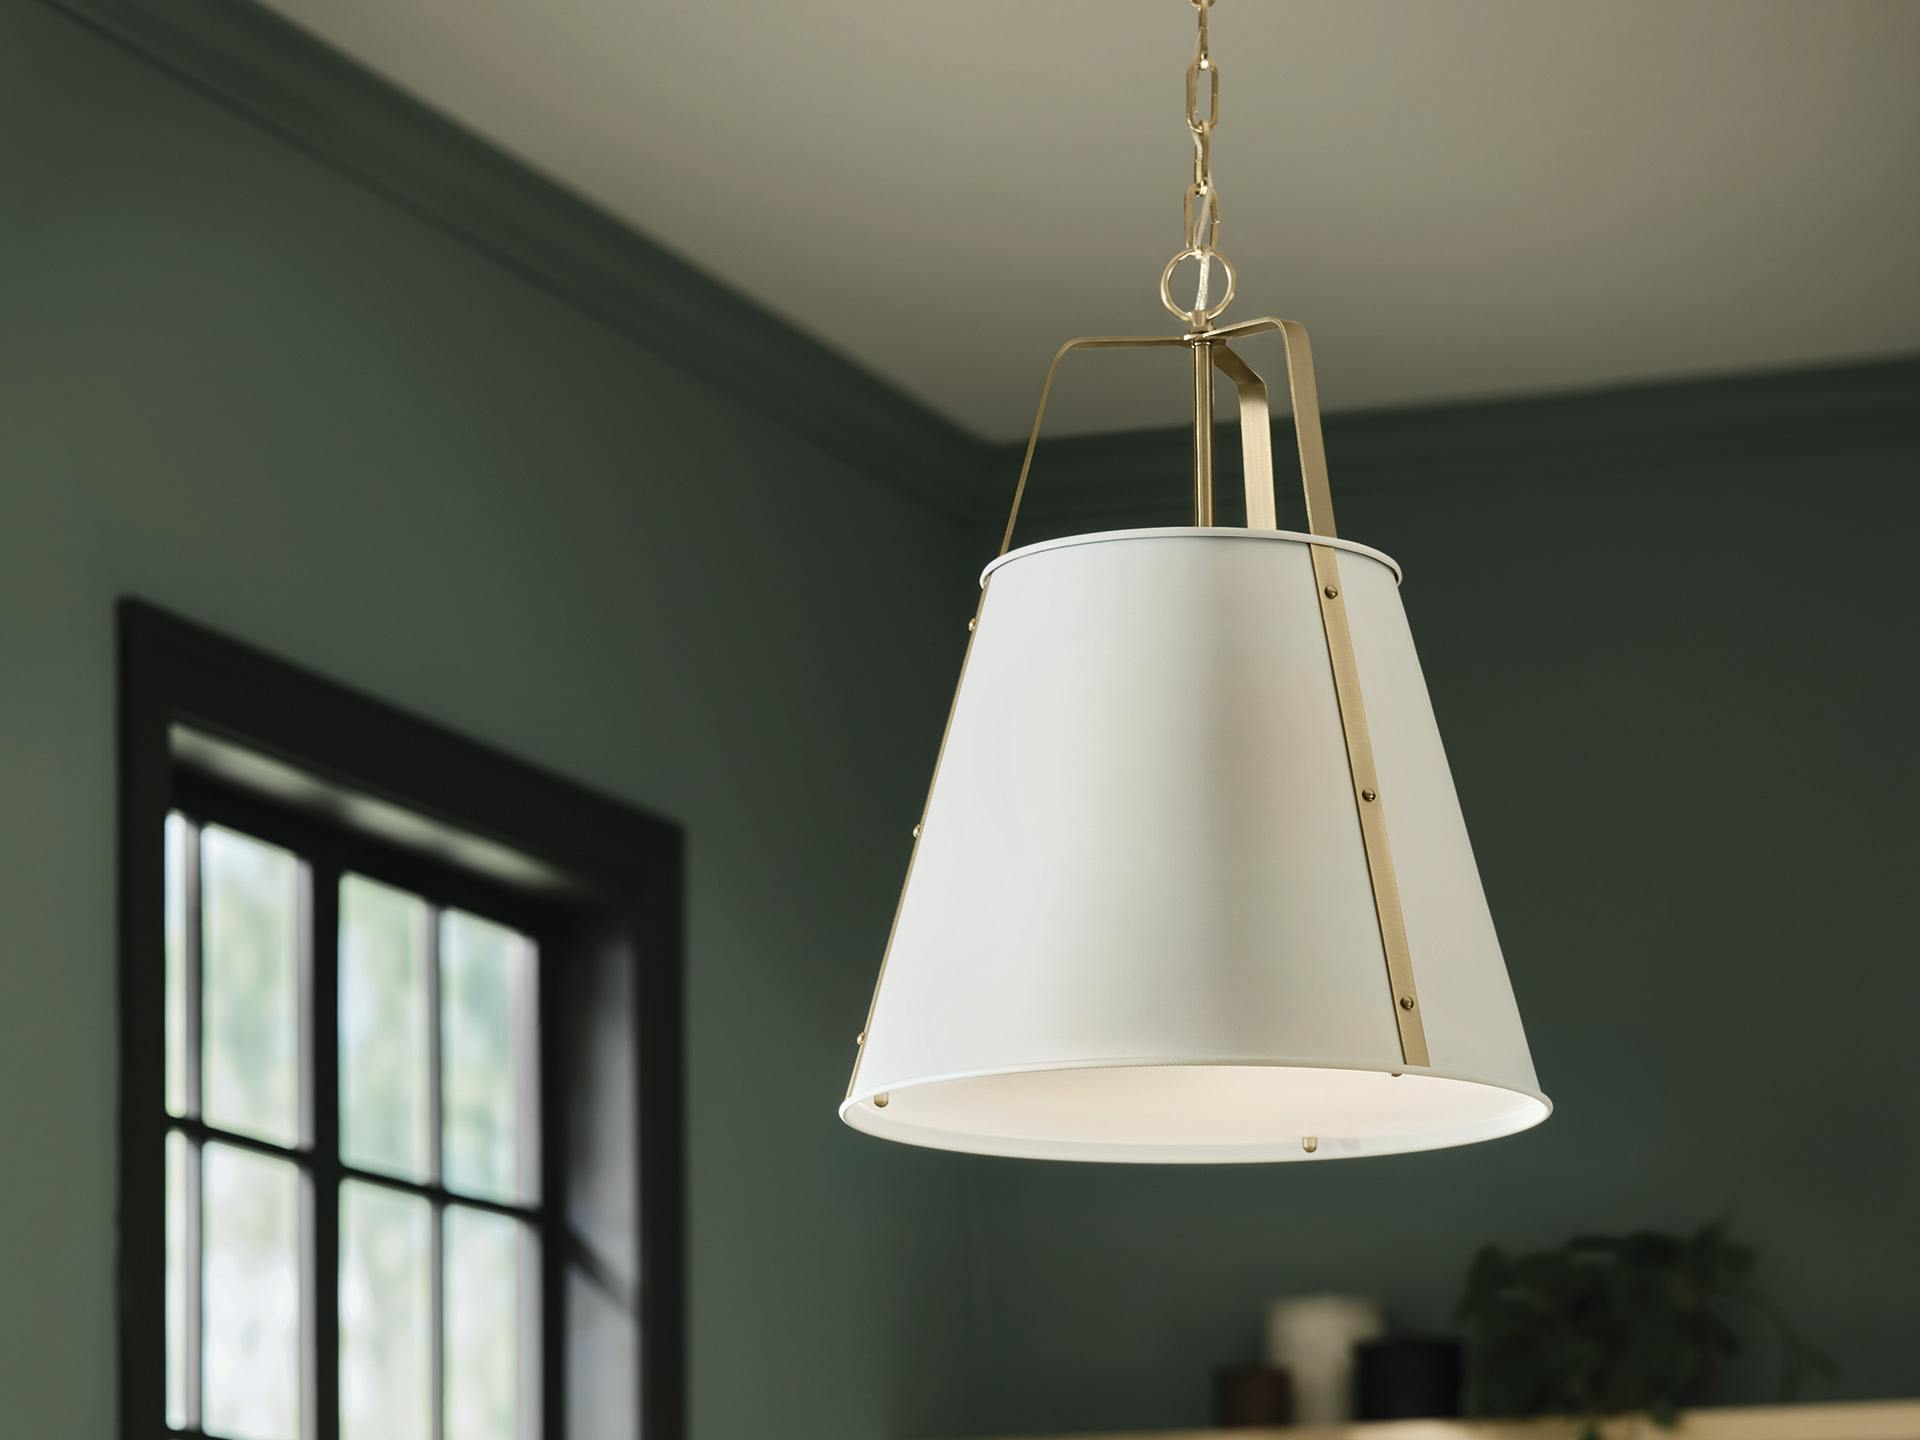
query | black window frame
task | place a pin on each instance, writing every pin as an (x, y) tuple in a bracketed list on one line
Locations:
[(614, 872)]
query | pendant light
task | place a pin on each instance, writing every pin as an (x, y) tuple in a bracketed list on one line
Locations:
[(1192, 882)]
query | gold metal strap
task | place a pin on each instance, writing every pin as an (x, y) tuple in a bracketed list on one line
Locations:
[(1256, 437), (1088, 342), (1203, 432), (1306, 415), (1371, 806)]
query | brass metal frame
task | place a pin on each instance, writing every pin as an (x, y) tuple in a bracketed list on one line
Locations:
[(1085, 342), (1212, 350)]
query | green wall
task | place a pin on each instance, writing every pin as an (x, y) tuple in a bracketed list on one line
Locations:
[(253, 391), (1676, 688)]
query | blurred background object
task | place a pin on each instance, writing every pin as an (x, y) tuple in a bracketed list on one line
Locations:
[(1312, 1338), (1407, 1377), (1251, 1395)]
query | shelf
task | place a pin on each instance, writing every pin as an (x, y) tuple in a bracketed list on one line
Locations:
[(1865, 1420)]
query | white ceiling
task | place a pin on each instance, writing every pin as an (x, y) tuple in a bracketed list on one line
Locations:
[(1459, 197)]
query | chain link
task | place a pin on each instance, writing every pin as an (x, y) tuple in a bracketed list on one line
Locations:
[(1201, 209)]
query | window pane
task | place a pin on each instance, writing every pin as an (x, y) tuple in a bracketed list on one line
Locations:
[(603, 1382), (486, 1029), (250, 985), (383, 1029), (251, 1317), (179, 836), (179, 1157), (485, 1285), (386, 1314)]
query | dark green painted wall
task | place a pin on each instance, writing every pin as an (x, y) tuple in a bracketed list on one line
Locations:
[(255, 392), (1669, 640)]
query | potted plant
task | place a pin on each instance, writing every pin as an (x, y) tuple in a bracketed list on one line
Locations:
[(1606, 1325)]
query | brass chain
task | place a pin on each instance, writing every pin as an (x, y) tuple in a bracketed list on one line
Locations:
[(1201, 209)]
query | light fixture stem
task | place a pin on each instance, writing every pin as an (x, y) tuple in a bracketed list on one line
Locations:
[(1202, 432)]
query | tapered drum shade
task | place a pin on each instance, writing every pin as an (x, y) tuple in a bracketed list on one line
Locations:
[(1143, 920), (1191, 882)]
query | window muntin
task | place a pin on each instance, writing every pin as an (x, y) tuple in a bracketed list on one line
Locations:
[(423, 1169)]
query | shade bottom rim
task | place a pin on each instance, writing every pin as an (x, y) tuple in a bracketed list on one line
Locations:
[(1195, 1112)]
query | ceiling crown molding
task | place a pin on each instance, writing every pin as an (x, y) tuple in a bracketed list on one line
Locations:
[(278, 76), (249, 59)]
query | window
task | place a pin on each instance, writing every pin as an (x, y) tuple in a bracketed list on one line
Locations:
[(422, 1165), (401, 1102)]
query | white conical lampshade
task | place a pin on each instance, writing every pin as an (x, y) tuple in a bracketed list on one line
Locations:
[(1139, 923)]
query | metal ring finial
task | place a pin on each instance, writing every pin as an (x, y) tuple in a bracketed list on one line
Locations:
[(1198, 319)]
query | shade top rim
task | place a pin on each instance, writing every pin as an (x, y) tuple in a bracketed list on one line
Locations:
[(1193, 532)]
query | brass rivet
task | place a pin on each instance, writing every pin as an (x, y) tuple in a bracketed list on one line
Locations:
[(1406, 1002), (861, 1038), (880, 1100), (1332, 592), (1369, 795), (970, 625), (1309, 1143), (916, 832)]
